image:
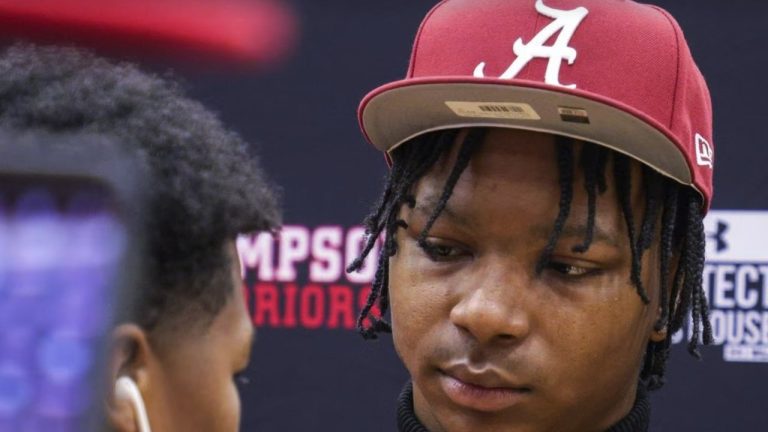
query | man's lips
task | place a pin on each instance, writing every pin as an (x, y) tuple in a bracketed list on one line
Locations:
[(485, 390)]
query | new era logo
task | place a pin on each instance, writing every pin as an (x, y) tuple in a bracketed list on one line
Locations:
[(704, 152)]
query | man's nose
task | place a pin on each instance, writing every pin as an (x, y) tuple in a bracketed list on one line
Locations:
[(494, 311)]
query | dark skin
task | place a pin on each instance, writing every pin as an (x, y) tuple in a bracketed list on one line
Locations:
[(186, 374), (490, 344)]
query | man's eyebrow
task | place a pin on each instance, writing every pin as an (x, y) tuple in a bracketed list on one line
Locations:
[(579, 231), (427, 205)]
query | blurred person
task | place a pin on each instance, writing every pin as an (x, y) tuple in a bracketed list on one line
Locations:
[(542, 226), (189, 337)]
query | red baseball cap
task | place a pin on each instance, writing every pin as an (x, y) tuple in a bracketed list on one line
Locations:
[(613, 72)]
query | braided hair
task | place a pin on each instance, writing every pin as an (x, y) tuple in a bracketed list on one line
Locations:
[(681, 233)]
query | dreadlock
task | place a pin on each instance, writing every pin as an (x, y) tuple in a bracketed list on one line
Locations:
[(565, 166), (681, 232)]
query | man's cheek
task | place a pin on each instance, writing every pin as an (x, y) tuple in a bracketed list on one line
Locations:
[(402, 348), (409, 327), (416, 311)]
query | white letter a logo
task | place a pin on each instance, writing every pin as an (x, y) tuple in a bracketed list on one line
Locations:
[(564, 22)]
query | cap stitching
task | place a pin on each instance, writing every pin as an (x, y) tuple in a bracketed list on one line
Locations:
[(417, 42), (679, 59), (695, 177), (536, 22)]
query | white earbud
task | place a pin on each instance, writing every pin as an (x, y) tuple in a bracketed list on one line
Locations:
[(127, 390)]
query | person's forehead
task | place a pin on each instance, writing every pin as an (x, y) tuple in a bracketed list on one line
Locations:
[(517, 156), (515, 172), (504, 158)]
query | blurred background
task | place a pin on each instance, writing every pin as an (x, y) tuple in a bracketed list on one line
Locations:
[(288, 75)]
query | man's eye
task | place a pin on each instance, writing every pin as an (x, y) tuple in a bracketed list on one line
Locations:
[(570, 270), (439, 251)]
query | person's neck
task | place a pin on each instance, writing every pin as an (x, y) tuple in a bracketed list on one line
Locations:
[(636, 420)]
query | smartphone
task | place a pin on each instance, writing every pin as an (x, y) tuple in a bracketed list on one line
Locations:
[(69, 221)]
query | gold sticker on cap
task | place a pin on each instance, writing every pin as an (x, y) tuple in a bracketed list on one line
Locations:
[(496, 110)]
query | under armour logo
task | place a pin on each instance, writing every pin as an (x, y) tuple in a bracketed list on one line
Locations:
[(719, 236), (704, 152), (565, 22)]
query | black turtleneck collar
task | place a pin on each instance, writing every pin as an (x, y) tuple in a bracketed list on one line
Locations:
[(636, 421)]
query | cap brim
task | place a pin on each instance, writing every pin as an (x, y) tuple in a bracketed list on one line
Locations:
[(400, 111)]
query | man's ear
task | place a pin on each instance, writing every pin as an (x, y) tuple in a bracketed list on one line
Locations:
[(659, 334), (659, 331), (128, 356)]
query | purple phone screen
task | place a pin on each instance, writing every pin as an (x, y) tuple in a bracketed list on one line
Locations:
[(60, 251)]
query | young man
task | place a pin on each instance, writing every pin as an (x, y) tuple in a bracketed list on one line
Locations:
[(551, 163), (190, 335)]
